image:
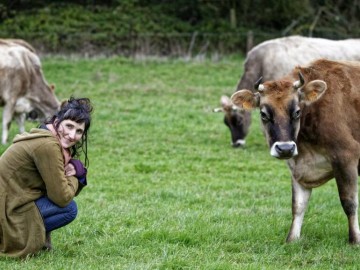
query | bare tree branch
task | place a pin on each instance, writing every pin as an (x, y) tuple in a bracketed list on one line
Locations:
[(313, 25)]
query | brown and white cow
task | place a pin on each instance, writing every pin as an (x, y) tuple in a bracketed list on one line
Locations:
[(23, 88), (274, 59), (311, 118)]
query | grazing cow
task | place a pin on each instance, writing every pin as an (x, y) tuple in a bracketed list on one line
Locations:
[(311, 118), (274, 59), (237, 120), (23, 88)]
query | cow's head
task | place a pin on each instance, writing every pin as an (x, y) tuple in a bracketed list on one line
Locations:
[(44, 102), (279, 104), (236, 119)]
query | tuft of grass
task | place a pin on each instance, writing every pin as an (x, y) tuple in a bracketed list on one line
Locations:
[(166, 190)]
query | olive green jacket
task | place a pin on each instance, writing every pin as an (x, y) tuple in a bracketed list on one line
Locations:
[(31, 167)]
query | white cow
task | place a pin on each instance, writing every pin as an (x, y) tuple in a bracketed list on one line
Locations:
[(23, 88)]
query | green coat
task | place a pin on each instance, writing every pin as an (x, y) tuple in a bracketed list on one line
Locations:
[(31, 167)]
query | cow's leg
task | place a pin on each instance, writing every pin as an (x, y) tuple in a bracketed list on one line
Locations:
[(346, 179), (7, 117), (20, 119), (300, 198)]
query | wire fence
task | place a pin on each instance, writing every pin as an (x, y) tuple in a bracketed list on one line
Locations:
[(148, 44), (190, 45)]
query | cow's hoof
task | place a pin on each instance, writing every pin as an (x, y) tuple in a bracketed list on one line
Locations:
[(354, 240), (292, 238)]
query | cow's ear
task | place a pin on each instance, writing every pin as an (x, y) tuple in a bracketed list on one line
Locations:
[(225, 101), (63, 103), (245, 99), (313, 91)]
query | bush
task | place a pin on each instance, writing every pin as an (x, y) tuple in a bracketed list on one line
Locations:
[(170, 28), (126, 29)]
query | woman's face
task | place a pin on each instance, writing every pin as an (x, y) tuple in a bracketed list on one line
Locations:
[(70, 132)]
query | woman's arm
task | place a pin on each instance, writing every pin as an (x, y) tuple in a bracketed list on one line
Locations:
[(77, 169), (50, 163)]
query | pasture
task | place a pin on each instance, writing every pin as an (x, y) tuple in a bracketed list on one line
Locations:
[(166, 190)]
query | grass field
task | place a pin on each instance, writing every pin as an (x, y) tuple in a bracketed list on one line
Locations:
[(166, 190)]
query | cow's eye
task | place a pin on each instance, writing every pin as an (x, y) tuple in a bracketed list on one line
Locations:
[(296, 114), (264, 116)]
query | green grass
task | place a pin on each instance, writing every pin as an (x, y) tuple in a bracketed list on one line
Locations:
[(166, 190)]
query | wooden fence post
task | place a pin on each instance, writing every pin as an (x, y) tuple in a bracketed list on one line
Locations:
[(249, 40)]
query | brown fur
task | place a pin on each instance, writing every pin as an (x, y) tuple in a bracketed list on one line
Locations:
[(332, 124), (333, 118)]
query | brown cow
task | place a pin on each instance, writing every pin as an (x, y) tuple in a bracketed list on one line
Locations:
[(311, 118), (275, 58), (23, 88)]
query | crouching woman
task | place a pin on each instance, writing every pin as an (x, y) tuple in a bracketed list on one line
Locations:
[(39, 177)]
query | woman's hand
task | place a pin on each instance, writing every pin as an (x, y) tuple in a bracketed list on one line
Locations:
[(70, 170)]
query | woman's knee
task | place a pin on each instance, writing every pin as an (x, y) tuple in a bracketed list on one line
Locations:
[(72, 210)]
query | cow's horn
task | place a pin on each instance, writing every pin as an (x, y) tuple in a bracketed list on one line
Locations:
[(301, 77), (258, 86), (300, 82)]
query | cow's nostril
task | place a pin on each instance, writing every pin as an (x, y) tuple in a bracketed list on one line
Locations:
[(285, 149)]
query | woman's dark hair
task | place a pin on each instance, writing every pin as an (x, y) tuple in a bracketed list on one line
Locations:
[(77, 110)]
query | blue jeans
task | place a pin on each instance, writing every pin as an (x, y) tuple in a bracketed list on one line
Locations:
[(55, 216)]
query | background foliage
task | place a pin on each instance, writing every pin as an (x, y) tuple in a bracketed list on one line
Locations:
[(163, 27)]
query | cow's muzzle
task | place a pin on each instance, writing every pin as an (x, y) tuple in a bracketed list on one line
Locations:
[(238, 143), (284, 150), (35, 115)]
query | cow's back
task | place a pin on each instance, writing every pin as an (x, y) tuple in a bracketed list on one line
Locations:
[(275, 58), (21, 42), (17, 66)]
